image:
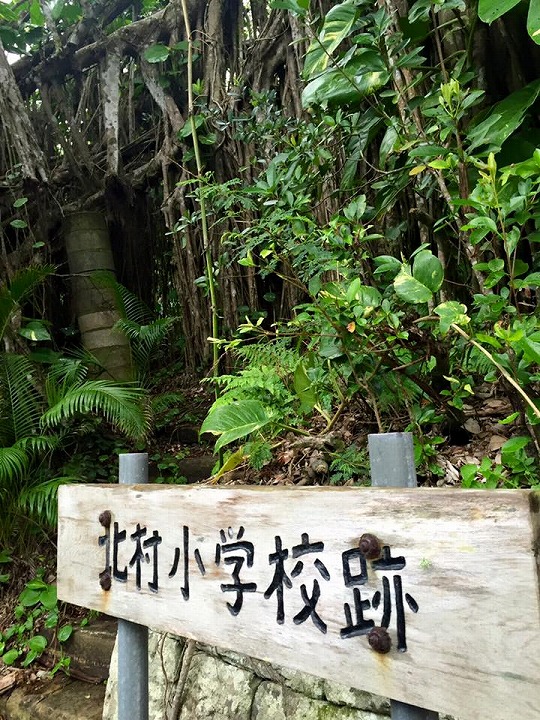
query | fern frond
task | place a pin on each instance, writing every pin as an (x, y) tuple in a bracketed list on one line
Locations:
[(38, 444), (128, 304), (20, 287), (475, 362), (14, 462), (19, 395), (145, 340), (120, 405), (40, 501)]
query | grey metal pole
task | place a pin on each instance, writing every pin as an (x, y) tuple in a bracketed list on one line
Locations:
[(133, 638), (391, 457)]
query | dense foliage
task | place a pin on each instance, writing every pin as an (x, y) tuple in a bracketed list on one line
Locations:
[(343, 198)]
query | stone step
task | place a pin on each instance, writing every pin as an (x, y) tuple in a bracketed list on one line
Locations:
[(58, 699), (66, 698)]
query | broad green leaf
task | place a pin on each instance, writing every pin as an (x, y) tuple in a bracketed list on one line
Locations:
[(65, 633), (503, 120), (363, 295), (451, 313), (29, 597), (304, 389), (388, 144), (36, 14), (20, 202), (386, 263), (428, 270), (56, 9), (410, 289), (35, 330), (532, 280), (48, 597), (156, 53), (362, 76), (337, 26), (298, 7), (533, 20), (235, 421), (19, 224), (530, 348), (514, 445), (330, 348), (10, 657), (490, 10), (232, 462), (38, 643)]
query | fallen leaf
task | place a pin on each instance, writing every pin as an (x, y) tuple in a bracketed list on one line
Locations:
[(473, 426), (496, 442)]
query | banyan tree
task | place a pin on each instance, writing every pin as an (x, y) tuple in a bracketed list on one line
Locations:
[(124, 134)]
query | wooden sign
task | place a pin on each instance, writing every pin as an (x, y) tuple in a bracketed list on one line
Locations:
[(287, 576)]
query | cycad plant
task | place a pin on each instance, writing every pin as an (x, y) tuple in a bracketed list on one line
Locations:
[(40, 409)]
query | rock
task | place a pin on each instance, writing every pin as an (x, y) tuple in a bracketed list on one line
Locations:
[(164, 655), (61, 699), (343, 695), (275, 702), (217, 691)]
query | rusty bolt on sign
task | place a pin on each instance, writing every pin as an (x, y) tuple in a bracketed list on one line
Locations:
[(105, 580), (380, 640), (105, 518), (370, 546)]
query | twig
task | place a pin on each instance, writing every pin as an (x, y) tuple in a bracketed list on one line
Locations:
[(189, 650)]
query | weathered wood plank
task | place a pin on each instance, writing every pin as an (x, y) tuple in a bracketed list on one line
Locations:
[(473, 645)]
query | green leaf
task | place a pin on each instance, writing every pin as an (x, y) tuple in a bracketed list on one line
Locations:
[(304, 389), (20, 202), (509, 419), (56, 10), (337, 26), (48, 598), (298, 7), (532, 280), (10, 657), (156, 53), (386, 263), (232, 462), (533, 20), (38, 643), (35, 330), (490, 10), (337, 86), (504, 118), (514, 445), (530, 348), (19, 224), (65, 633), (36, 14), (235, 421), (451, 313), (427, 269), (29, 598), (410, 289)]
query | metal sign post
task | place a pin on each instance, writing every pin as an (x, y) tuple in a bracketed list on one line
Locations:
[(391, 458), (133, 638)]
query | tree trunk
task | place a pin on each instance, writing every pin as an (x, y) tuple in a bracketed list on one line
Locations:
[(89, 252)]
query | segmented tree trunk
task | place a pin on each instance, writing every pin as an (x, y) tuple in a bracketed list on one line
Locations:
[(91, 268)]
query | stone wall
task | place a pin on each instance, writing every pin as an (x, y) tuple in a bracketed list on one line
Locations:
[(189, 681)]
